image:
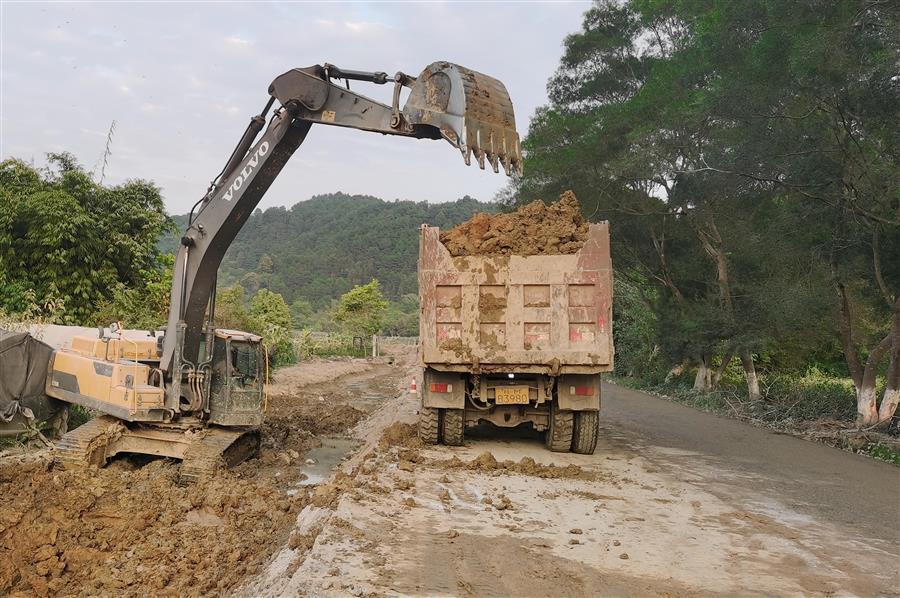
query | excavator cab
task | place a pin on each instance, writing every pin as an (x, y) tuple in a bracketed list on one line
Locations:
[(237, 380)]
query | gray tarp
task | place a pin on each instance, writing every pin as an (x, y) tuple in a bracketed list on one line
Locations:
[(23, 372)]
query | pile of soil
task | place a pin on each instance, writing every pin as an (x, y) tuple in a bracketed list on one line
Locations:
[(533, 229), (487, 463), (400, 434), (133, 531)]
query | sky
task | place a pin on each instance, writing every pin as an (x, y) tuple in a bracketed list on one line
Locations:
[(181, 81)]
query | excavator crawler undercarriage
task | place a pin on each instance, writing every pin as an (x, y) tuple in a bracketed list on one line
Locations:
[(202, 451)]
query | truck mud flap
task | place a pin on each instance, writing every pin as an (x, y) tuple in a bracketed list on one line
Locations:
[(443, 390)]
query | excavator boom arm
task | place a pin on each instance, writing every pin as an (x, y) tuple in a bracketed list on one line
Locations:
[(468, 109)]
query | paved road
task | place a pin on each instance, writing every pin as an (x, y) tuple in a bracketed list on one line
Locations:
[(820, 481)]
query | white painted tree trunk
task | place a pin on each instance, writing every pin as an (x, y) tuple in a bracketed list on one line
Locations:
[(891, 396), (702, 381), (676, 370), (889, 404), (750, 374), (866, 406)]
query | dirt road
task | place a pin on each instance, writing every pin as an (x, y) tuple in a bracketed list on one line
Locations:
[(675, 502)]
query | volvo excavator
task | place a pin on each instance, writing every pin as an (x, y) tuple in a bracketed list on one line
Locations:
[(195, 392)]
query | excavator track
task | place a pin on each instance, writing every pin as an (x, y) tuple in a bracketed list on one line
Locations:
[(87, 444), (203, 452), (215, 449)]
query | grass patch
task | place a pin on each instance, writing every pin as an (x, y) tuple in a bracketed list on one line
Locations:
[(883, 452), (78, 416), (309, 344)]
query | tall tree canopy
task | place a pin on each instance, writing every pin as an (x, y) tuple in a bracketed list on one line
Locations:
[(747, 156), (65, 238)]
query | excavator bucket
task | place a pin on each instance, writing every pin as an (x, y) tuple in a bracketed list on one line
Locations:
[(472, 111)]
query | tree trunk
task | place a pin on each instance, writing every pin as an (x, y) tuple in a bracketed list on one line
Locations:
[(889, 404), (866, 411), (702, 381), (750, 374), (866, 395), (726, 359), (891, 397), (677, 370), (845, 329)]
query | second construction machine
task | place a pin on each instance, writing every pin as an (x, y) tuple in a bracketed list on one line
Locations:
[(195, 393)]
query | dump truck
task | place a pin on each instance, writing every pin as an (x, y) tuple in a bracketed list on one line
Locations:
[(513, 340)]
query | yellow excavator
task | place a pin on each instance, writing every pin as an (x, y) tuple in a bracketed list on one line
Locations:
[(195, 392)]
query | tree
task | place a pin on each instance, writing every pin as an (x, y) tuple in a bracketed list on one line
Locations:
[(270, 317), (301, 314), (361, 310), (70, 240), (747, 155), (231, 311), (269, 309), (144, 308), (267, 315), (402, 316)]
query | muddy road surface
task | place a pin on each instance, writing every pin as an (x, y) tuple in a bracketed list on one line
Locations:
[(674, 503), (345, 501)]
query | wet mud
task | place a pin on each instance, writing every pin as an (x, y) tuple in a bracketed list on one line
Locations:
[(132, 528), (533, 229)]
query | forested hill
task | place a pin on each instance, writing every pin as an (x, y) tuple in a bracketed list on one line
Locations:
[(320, 248)]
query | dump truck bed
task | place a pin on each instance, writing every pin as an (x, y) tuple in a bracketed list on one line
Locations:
[(541, 313)]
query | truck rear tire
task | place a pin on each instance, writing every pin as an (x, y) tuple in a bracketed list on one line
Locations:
[(430, 425), (559, 434), (453, 426), (586, 431)]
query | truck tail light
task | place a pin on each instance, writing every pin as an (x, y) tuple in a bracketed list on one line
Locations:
[(443, 387), (581, 391)]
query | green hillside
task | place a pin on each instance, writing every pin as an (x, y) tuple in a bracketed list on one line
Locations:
[(320, 248)]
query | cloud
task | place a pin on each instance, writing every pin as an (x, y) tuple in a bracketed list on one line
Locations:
[(92, 132), (360, 27), (58, 35), (236, 40)]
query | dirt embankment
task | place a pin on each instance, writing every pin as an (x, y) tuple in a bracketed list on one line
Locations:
[(132, 529), (533, 229)]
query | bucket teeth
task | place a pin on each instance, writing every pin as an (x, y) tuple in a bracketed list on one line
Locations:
[(479, 155), (472, 112)]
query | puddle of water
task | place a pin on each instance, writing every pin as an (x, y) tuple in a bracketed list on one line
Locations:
[(327, 457)]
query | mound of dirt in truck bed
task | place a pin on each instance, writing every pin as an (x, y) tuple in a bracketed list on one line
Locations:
[(124, 531), (533, 229)]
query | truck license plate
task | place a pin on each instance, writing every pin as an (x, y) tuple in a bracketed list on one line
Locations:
[(512, 395)]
